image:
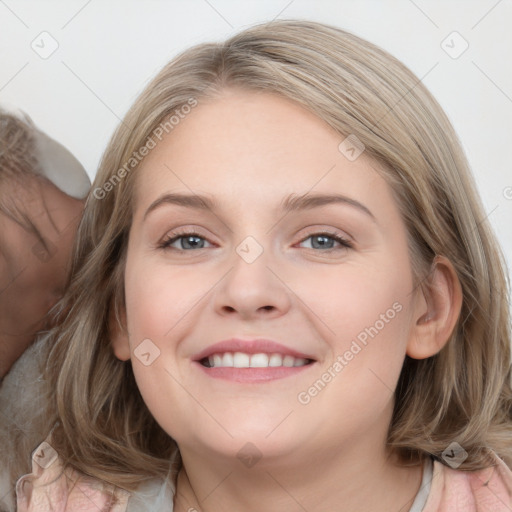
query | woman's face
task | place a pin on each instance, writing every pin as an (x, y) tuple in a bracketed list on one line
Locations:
[(263, 263)]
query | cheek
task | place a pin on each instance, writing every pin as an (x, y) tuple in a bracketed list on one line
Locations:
[(367, 312), (352, 298), (157, 298), (354, 387), (355, 384), (154, 304)]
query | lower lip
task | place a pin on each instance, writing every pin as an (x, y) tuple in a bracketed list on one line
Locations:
[(247, 375)]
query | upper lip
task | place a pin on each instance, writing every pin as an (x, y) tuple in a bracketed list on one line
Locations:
[(249, 346)]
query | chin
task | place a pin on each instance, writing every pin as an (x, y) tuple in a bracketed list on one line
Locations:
[(249, 439)]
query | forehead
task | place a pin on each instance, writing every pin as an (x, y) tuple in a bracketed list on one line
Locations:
[(34, 207), (252, 145), (22, 202)]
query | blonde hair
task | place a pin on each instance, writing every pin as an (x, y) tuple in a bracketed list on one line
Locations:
[(461, 394)]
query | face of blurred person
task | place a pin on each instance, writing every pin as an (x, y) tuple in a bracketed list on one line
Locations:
[(32, 276)]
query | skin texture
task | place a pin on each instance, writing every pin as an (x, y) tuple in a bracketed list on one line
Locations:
[(249, 151), (32, 279)]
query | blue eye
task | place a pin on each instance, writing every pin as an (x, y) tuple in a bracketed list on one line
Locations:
[(324, 241), (191, 241), (187, 241)]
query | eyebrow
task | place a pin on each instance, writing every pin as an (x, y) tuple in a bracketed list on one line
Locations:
[(291, 203)]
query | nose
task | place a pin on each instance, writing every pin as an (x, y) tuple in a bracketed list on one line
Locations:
[(252, 290)]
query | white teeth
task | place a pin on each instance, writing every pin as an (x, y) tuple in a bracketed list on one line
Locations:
[(288, 361), (241, 360), (227, 360), (260, 360), (275, 360)]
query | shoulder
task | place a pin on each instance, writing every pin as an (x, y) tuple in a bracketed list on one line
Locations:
[(53, 486), (485, 490)]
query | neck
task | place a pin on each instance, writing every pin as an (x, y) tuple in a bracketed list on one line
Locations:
[(357, 477)]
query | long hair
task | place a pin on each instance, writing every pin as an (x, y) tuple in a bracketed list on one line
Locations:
[(463, 393)]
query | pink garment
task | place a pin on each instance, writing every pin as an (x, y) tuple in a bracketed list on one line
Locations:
[(54, 489), (486, 490)]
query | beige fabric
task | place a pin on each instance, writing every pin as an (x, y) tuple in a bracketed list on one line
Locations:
[(61, 167)]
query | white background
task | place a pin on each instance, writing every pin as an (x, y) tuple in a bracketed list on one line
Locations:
[(109, 50)]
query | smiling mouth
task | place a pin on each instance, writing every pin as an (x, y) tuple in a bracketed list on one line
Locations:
[(258, 360)]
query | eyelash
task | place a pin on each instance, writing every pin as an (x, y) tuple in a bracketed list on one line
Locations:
[(173, 237)]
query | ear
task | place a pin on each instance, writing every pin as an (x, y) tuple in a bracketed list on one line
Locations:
[(119, 334), (436, 311)]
